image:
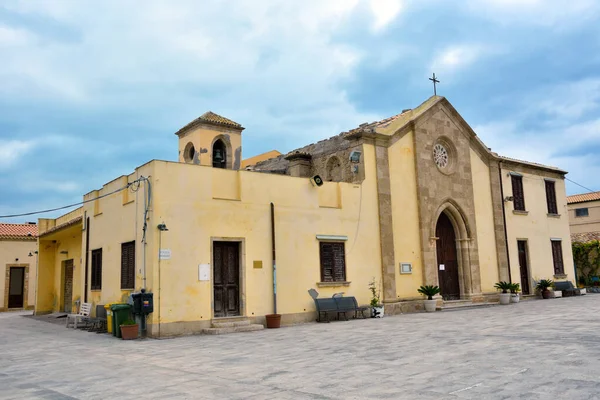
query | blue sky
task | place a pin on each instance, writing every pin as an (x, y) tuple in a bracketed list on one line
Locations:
[(90, 90)]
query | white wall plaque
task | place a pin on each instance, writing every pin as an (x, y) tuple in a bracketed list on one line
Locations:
[(405, 268), (442, 267), (164, 254), (204, 272)]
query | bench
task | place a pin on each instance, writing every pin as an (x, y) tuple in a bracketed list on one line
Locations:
[(567, 289), (349, 304), (325, 307)]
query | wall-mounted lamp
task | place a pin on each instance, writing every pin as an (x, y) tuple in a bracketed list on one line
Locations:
[(508, 198), (162, 227)]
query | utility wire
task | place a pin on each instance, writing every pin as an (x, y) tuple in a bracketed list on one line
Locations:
[(588, 189), (74, 204)]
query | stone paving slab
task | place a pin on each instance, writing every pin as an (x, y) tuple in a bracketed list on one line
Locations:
[(537, 349)]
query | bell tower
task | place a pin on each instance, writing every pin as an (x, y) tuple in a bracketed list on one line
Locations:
[(211, 140)]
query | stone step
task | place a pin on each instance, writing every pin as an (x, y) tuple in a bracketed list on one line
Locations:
[(233, 329), (230, 324), (465, 305)]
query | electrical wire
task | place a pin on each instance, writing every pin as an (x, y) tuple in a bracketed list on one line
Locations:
[(137, 181), (588, 189)]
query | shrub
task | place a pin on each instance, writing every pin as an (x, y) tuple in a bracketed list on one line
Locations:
[(504, 286), (429, 291)]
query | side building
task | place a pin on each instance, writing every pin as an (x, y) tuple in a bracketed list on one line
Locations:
[(414, 199)]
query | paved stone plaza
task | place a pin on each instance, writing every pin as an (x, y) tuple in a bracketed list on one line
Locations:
[(539, 349)]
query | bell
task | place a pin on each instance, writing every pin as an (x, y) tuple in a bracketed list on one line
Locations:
[(218, 157)]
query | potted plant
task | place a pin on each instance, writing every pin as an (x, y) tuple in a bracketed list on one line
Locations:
[(515, 288), (376, 306), (429, 291), (505, 295), (544, 287), (129, 330)]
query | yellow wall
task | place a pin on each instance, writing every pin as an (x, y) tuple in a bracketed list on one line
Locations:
[(484, 215), (591, 223), (203, 136), (50, 295), (405, 212), (194, 217), (260, 157), (537, 227), (10, 250)]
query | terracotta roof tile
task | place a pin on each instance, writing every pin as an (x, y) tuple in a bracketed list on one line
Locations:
[(585, 237), (580, 198), (18, 231), (211, 118)]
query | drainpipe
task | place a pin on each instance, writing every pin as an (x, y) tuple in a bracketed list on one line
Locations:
[(504, 219), (274, 258), (87, 253)]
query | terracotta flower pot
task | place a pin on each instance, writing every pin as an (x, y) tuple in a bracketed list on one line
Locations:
[(273, 321), (546, 294), (129, 332)]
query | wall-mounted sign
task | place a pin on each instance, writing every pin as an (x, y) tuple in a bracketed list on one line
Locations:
[(405, 268), (442, 267), (204, 272), (164, 254)]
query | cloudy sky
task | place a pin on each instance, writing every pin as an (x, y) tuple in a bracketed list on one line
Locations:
[(90, 90)]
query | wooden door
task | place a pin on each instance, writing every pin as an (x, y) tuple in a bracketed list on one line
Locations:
[(16, 287), (523, 267), (226, 279), (446, 259), (68, 287)]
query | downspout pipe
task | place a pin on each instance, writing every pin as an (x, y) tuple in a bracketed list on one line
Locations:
[(504, 219), (87, 255), (274, 259)]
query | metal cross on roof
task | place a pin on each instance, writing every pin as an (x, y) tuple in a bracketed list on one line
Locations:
[(434, 80)]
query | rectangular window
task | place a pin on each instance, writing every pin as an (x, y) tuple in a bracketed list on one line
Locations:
[(97, 269), (581, 212), (551, 197), (333, 262), (518, 195), (557, 257), (128, 265)]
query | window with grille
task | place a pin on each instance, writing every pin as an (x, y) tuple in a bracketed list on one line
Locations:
[(97, 269), (581, 212), (128, 265), (518, 195), (551, 197), (557, 257), (333, 262)]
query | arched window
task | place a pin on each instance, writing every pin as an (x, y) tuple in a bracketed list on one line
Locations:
[(334, 170), (219, 154), (189, 152)]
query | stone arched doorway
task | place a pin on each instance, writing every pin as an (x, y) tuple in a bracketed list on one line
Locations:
[(447, 258)]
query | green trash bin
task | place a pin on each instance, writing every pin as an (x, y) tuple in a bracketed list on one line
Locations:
[(121, 313)]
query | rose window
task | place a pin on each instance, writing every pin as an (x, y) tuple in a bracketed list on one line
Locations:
[(440, 156)]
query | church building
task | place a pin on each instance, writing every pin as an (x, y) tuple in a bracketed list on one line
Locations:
[(414, 199)]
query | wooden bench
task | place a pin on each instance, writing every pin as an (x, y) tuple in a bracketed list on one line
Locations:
[(567, 289)]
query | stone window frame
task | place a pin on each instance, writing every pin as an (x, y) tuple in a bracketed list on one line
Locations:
[(25, 285), (189, 147), (333, 281), (328, 170), (228, 150), (451, 151)]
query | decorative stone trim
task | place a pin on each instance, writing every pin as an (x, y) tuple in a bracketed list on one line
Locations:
[(519, 212), (25, 286), (333, 284), (560, 276), (553, 215)]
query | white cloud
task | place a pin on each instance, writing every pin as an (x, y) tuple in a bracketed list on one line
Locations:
[(457, 57), (14, 37), (384, 12), (13, 150)]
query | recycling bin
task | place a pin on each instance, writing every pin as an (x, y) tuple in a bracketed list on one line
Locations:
[(121, 313), (109, 318)]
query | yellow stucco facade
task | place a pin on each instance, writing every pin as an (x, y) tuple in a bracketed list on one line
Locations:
[(15, 253), (377, 217)]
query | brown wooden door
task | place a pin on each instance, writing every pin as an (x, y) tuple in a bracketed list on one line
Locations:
[(68, 287), (446, 257), (226, 279), (523, 267), (16, 287)]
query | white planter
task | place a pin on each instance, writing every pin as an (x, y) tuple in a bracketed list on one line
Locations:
[(505, 299), (557, 294), (430, 305), (583, 291), (377, 312), (514, 298)]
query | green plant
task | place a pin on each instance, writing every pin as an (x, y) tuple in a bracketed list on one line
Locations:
[(375, 296), (515, 288), (504, 286), (128, 322), (429, 291), (544, 284)]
